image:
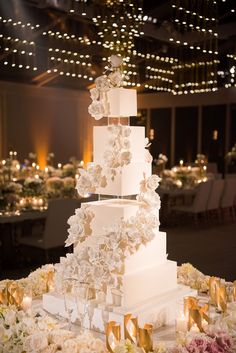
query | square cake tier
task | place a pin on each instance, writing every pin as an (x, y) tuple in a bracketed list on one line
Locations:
[(109, 212), (148, 282), (122, 102), (136, 139), (126, 181)]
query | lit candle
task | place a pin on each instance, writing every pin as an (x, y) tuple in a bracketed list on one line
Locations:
[(59, 165), (181, 323), (40, 202), (22, 202), (33, 165), (35, 202), (181, 162), (26, 302), (46, 169), (3, 162), (37, 167)]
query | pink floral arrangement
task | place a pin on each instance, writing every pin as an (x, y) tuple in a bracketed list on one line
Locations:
[(217, 342)]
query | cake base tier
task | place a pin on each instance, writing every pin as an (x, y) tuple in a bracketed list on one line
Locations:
[(159, 311)]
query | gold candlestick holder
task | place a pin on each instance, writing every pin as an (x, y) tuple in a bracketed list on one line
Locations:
[(221, 299), (234, 291), (145, 340), (214, 283), (195, 314), (131, 328), (112, 335)]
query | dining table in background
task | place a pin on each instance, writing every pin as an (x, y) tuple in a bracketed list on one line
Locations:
[(11, 224)]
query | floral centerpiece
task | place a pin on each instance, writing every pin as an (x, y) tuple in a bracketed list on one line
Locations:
[(36, 332), (32, 187), (10, 194)]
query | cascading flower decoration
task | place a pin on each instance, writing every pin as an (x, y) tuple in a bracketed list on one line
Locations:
[(99, 106)]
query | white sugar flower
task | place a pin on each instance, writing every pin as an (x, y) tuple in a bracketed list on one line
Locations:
[(94, 93), (96, 109), (148, 157), (153, 181), (126, 131), (116, 78), (36, 342), (125, 158), (116, 60), (102, 83)]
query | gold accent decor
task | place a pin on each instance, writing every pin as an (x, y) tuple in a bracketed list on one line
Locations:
[(131, 328), (112, 335), (146, 338), (221, 298), (214, 283), (234, 290), (12, 294), (195, 314)]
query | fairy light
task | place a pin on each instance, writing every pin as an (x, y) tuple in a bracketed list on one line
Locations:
[(120, 24), (70, 64)]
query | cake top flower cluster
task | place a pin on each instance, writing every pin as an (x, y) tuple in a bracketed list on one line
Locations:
[(99, 106)]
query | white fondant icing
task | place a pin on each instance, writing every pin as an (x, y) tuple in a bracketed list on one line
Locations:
[(127, 180), (122, 102), (101, 138), (148, 283)]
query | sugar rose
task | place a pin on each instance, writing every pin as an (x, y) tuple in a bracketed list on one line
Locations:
[(116, 61), (153, 182)]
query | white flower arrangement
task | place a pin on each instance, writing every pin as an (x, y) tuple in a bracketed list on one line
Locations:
[(38, 333), (99, 106), (79, 225), (90, 180), (127, 347), (37, 280), (190, 276)]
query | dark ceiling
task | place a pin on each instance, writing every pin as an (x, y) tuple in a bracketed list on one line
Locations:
[(68, 25)]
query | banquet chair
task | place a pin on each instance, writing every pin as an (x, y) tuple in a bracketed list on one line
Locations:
[(227, 204), (55, 231), (213, 203), (199, 205)]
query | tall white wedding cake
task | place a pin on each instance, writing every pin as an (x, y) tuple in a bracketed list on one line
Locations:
[(118, 248)]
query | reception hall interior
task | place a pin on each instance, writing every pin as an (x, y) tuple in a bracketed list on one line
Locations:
[(118, 175)]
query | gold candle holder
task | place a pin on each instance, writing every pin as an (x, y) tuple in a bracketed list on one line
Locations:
[(189, 304), (145, 340), (11, 294), (234, 291), (112, 335), (50, 281), (214, 283), (195, 314), (221, 298), (131, 328)]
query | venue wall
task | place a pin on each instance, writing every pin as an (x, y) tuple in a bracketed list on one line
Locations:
[(189, 124), (43, 120)]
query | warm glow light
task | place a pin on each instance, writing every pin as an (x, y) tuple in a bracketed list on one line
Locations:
[(40, 130)]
